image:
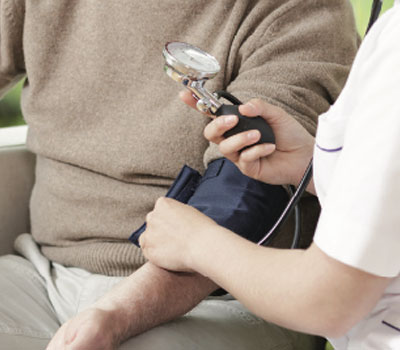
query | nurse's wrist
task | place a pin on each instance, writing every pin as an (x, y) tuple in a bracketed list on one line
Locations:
[(197, 250), (203, 250), (301, 164)]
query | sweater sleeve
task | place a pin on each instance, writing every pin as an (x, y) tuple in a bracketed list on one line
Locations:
[(297, 57), (12, 67)]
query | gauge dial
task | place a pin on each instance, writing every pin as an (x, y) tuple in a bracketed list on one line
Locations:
[(188, 59)]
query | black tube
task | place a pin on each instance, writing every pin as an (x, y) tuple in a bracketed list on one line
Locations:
[(289, 208), (375, 11)]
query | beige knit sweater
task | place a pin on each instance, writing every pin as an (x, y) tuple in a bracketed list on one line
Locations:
[(105, 122)]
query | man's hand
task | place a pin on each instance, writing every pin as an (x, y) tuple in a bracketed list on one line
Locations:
[(91, 329), (172, 231), (133, 306)]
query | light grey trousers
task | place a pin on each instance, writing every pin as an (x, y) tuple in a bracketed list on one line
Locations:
[(37, 296)]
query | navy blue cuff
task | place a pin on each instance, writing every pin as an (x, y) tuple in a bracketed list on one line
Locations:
[(243, 205), (181, 189)]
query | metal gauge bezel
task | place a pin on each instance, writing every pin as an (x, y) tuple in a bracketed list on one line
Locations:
[(192, 72)]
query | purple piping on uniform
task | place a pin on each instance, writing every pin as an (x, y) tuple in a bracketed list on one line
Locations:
[(330, 149)]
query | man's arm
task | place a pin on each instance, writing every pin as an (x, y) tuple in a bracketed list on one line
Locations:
[(296, 57), (152, 295), (147, 298)]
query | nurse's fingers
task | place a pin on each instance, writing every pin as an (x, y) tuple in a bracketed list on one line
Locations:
[(142, 240), (257, 107), (214, 130), (237, 142), (256, 152)]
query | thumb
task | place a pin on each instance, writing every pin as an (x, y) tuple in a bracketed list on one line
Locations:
[(272, 114)]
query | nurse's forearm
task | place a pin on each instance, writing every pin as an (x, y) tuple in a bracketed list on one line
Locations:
[(302, 290)]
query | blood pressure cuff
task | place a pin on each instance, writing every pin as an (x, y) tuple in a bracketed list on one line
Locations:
[(243, 205)]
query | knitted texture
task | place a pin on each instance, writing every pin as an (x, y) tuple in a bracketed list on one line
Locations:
[(105, 122)]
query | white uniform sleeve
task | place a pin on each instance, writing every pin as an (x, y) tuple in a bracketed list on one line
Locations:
[(360, 219)]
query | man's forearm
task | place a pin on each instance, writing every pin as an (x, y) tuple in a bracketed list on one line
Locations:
[(152, 296)]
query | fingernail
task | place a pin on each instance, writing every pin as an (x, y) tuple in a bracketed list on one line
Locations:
[(253, 134), (229, 119), (269, 147), (250, 106), (226, 119)]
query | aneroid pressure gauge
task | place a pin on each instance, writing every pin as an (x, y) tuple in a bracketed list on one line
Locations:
[(191, 66)]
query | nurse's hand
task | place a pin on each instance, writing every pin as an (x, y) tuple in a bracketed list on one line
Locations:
[(172, 231), (283, 163)]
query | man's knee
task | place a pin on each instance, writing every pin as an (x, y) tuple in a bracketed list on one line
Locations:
[(219, 325), (25, 311), (21, 341)]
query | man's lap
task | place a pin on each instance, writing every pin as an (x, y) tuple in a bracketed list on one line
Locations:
[(28, 315), (219, 325)]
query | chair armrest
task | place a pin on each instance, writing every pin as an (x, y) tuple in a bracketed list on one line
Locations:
[(16, 181)]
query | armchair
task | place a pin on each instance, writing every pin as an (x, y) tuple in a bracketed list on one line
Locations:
[(16, 181)]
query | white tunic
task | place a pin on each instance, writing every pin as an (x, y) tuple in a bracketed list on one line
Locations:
[(357, 178)]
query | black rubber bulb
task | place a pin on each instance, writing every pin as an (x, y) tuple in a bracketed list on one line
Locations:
[(246, 124)]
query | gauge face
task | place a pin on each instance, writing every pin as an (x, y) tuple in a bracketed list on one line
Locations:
[(192, 57)]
